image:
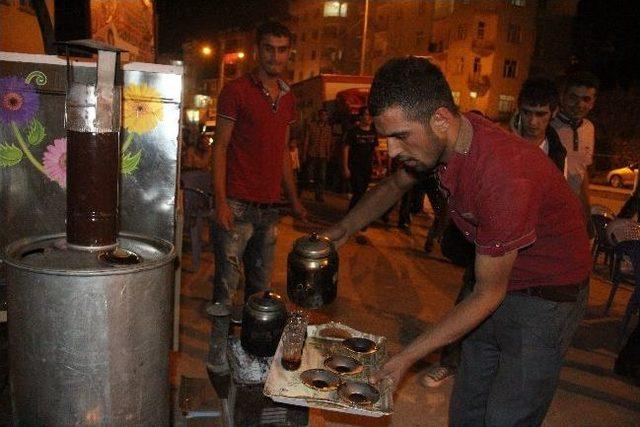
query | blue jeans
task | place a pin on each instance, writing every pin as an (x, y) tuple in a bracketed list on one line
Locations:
[(510, 364), (244, 253)]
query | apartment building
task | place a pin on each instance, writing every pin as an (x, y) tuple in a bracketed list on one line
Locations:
[(484, 48), (328, 37), (19, 30)]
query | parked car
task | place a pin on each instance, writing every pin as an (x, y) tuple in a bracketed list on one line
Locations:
[(623, 176)]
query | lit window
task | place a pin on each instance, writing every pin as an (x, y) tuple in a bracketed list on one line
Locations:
[(480, 30), (473, 95), (506, 103), (509, 69), (335, 8), (518, 2), (456, 97)]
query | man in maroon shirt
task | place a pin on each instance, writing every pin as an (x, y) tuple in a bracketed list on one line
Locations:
[(532, 253), (251, 168)]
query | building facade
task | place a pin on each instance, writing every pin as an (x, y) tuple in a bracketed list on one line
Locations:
[(484, 47), (19, 29)]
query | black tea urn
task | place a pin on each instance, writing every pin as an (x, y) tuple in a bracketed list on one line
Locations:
[(312, 271), (263, 320)]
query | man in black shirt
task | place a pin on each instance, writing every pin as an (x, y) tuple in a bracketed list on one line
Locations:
[(360, 144)]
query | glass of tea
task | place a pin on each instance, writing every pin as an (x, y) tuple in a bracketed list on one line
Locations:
[(292, 345)]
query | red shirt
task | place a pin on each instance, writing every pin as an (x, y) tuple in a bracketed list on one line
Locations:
[(505, 194), (256, 148)]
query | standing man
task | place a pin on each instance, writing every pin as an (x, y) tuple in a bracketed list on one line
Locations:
[(317, 149), (532, 253), (537, 105), (576, 132), (252, 167), (360, 144)]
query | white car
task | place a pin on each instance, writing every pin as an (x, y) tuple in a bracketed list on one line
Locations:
[(623, 176)]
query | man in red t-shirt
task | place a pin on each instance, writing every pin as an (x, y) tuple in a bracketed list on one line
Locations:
[(532, 252), (251, 168)]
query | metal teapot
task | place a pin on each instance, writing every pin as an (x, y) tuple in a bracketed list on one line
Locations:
[(312, 271), (263, 320)]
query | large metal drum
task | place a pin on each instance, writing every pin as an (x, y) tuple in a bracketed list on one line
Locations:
[(89, 332)]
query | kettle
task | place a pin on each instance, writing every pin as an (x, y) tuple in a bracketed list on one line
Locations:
[(312, 271), (263, 320)]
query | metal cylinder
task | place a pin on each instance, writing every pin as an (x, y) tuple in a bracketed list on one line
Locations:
[(89, 336)]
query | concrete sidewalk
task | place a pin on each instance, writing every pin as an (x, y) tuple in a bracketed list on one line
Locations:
[(390, 287)]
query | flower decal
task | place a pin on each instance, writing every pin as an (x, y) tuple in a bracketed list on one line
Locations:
[(142, 108), (18, 101), (55, 161)]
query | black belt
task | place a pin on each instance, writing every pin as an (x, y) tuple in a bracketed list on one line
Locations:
[(565, 293), (258, 205)]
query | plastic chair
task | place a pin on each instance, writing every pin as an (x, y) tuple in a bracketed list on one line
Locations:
[(198, 207), (625, 236), (601, 216)]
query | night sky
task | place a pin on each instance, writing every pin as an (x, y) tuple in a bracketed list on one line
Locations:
[(180, 20)]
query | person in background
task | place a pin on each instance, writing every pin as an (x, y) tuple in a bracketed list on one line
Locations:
[(537, 105), (294, 155), (252, 170), (198, 156), (576, 132), (532, 257), (316, 151), (359, 149)]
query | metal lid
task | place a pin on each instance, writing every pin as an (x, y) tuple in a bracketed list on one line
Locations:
[(52, 255), (266, 301), (313, 246)]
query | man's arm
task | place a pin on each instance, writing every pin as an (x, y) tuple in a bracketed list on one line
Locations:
[(492, 276), (288, 181), (224, 129), (374, 203)]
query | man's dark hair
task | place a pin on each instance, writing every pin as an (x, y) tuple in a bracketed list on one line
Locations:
[(539, 91), (272, 28), (582, 78), (413, 84), (363, 110)]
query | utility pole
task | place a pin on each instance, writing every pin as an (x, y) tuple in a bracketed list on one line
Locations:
[(363, 48)]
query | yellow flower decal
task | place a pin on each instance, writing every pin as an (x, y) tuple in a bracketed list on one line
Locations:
[(142, 108)]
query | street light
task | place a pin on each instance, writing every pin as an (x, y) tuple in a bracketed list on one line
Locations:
[(206, 50)]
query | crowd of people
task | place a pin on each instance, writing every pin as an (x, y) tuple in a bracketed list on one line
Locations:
[(512, 207)]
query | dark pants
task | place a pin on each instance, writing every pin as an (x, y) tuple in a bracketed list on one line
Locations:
[(360, 179), (318, 170), (511, 362)]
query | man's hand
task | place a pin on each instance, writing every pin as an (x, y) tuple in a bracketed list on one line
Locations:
[(337, 234), (224, 216), (393, 371)]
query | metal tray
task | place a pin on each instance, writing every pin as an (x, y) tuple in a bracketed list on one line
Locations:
[(287, 387)]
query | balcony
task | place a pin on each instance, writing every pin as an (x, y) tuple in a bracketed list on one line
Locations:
[(479, 83), (483, 47)]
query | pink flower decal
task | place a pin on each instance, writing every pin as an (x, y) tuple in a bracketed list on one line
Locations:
[(55, 161)]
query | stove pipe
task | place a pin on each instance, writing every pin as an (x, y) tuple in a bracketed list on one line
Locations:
[(92, 121)]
